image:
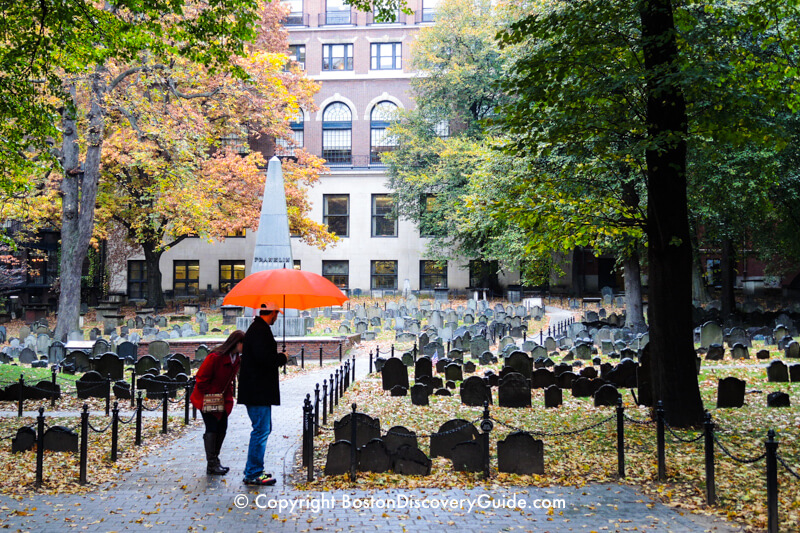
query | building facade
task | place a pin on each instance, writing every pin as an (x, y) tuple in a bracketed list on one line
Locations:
[(363, 67)]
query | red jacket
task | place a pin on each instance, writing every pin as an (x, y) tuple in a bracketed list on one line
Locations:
[(212, 376)]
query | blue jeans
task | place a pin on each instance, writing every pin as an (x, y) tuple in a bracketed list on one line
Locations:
[(261, 418)]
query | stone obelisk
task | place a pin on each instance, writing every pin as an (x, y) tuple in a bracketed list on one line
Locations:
[(273, 244)]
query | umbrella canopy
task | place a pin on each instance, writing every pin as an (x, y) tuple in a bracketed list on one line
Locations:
[(285, 287)]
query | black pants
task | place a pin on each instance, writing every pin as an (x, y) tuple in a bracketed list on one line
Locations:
[(214, 424)]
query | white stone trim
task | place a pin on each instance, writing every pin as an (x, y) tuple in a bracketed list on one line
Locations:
[(337, 98), (381, 98)]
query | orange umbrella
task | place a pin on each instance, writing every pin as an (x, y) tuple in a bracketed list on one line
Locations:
[(287, 288)]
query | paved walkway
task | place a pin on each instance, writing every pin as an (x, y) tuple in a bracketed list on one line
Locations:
[(171, 492)]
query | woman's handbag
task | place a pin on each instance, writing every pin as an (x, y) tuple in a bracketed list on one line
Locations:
[(213, 403)]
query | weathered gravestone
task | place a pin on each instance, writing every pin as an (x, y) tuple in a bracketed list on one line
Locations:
[(520, 362), (423, 367), (374, 457), (27, 356), (92, 385), (467, 456), (794, 373), (337, 461), (398, 390), (777, 372), (60, 439), (420, 393), (730, 392), (778, 399), (542, 378), (739, 351), (553, 396), (606, 395), (792, 350), (452, 372), (520, 453), (514, 391), (368, 428), (710, 333), (475, 391), (449, 434), (109, 364), (398, 436), (158, 349), (394, 372)]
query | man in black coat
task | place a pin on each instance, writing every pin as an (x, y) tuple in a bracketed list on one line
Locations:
[(259, 390)]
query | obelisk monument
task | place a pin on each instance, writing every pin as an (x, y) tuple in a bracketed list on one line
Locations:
[(273, 243)]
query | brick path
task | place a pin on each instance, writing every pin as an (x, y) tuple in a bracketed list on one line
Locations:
[(171, 492)]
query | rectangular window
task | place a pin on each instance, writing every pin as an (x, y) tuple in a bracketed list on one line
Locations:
[(483, 274), (429, 10), (433, 275), (186, 278), (295, 16), (137, 280), (337, 272), (384, 275), (337, 57), (386, 56), (230, 273), (430, 225), (297, 56), (384, 220), (42, 266), (337, 12), (336, 213)]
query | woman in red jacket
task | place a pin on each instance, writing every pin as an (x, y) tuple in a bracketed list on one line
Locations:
[(215, 376)]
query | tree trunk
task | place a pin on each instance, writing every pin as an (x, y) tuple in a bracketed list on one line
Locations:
[(152, 259), (79, 196), (728, 271), (634, 315), (669, 242)]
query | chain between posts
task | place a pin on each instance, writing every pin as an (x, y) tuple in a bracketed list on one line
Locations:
[(679, 438), (738, 459), (787, 467)]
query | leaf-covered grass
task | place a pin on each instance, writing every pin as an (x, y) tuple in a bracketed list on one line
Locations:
[(591, 456)]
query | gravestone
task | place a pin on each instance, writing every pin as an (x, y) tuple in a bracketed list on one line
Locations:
[(122, 390), (374, 457), (565, 380), (452, 372), (109, 364), (43, 342), (337, 462), (778, 399), (582, 388), (449, 434), (762, 354), (24, 441), (368, 428), (60, 439), (553, 396), (730, 392), (514, 391), (411, 461), (715, 352), (146, 363), (419, 394), (423, 367), (474, 391), (158, 349), (542, 378), (710, 333), (478, 345), (739, 351), (398, 390), (394, 372), (606, 395), (792, 350), (794, 373), (100, 347), (467, 457), (398, 436), (27, 356), (128, 351), (92, 385), (520, 362), (442, 392), (777, 372), (520, 453)]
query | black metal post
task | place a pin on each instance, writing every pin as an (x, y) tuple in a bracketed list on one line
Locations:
[(21, 398), (324, 402), (330, 402), (186, 397), (310, 443), (139, 419), (336, 388), (341, 381), (164, 408), (84, 451), (114, 432), (377, 352), (486, 428), (320, 356), (108, 395), (772, 482), (316, 409), (414, 351), (306, 428), (53, 396), (541, 335), (340, 352), (353, 441), (353, 369), (39, 447), (133, 385), (711, 488), (620, 439), (392, 350), (302, 357), (370, 361), (661, 442)]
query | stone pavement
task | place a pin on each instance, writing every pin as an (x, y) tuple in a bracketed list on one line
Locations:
[(171, 492)]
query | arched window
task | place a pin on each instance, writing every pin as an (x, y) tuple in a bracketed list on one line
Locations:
[(288, 146), (380, 140), (337, 128)]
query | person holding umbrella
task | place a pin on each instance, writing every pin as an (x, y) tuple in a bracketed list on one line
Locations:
[(259, 389), (213, 396)]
